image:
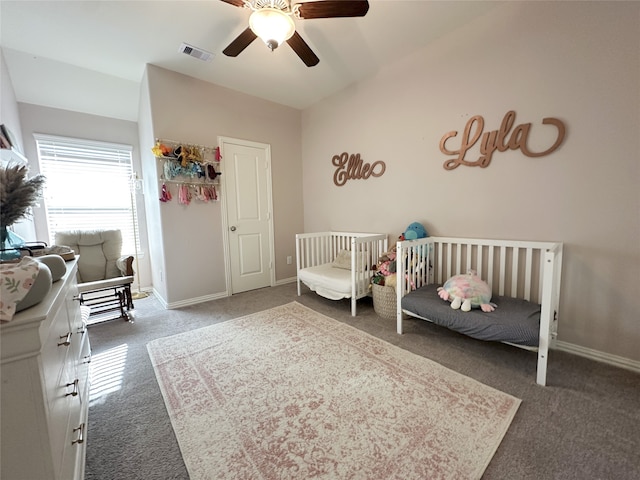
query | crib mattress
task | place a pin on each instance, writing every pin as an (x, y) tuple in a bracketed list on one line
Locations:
[(514, 320), (328, 281)]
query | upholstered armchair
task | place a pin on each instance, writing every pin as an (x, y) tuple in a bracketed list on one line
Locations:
[(104, 275)]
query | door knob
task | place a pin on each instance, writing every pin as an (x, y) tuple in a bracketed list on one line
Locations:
[(233, 228)]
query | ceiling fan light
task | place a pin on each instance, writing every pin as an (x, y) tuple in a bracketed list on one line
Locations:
[(273, 26)]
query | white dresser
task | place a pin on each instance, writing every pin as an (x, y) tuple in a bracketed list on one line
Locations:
[(45, 387)]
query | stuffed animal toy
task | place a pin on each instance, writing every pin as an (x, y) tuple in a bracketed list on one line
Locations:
[(391, 280), (194, 154), (183, 153), (385, 267), (467, 291), (415, 230), (161, 150)]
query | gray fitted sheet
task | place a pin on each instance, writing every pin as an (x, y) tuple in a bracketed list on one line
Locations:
[(514, 320)]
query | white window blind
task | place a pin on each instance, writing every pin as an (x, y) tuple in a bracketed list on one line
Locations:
[(88, 186)]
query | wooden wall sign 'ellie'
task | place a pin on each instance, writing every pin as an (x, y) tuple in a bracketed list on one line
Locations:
[(352, 167)]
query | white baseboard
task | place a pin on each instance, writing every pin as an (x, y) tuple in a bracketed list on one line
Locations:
[(162, 301), (188, 301), (206, 298), (599, 356)]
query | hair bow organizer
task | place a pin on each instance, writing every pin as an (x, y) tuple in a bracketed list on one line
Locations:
[(186, 161)]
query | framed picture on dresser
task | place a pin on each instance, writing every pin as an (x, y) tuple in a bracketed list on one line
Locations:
[(7, 139), (4, 138)]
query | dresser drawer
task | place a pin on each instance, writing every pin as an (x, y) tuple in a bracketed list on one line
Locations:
[(60, 402), (56, 352), (75, 446)]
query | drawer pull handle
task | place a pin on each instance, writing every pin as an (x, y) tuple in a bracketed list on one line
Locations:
[(75, 384), (80, 431), (67, 340)]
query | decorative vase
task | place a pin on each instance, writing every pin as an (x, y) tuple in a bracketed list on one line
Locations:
[(10, 244)]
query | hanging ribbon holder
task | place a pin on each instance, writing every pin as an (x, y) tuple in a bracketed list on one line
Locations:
[(194, 169)]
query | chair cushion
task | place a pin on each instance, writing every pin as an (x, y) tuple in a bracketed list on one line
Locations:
[(98, 250)]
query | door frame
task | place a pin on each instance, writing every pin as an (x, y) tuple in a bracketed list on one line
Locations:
[(222, 140)]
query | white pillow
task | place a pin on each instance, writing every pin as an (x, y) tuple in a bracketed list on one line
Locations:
[(343, 260)]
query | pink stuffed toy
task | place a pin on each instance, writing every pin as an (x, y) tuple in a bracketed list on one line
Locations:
[(467, 291)]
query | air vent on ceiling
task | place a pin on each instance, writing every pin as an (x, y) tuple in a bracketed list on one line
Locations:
[(195, 52)]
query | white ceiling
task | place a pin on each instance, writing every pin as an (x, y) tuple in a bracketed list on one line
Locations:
[(89, 56)]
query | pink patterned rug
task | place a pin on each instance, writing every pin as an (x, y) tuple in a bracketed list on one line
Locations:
[(289, 393)]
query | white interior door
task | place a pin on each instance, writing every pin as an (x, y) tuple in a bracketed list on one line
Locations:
[(246, 177)]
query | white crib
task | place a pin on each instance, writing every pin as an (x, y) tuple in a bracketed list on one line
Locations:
[(527, 271), (338, 265)]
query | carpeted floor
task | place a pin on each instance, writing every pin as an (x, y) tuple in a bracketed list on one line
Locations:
[(584, 425)]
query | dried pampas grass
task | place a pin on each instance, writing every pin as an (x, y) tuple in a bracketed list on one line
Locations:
[(17, 193)]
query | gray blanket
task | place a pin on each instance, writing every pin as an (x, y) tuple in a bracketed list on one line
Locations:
[(514, 320)]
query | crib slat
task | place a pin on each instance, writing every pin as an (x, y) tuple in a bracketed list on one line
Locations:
[(425, 258), (515, 259), (440, 260), (527, 274), (503, 269), (429, 253), (307, 251), (425, 262), (541, 280), (490, 258)]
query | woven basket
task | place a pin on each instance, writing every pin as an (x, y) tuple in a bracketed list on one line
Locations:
[(384, 301)]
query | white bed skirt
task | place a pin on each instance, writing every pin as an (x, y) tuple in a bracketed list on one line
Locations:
[(330, 282)]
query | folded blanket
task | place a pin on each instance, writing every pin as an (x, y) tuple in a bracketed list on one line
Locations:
[(16, 279)]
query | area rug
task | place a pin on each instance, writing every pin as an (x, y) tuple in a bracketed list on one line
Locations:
[(289, 393)]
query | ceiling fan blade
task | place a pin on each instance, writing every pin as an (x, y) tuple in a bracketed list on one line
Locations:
[(303, 50), (333, 8), (241, 42), (237, 3)]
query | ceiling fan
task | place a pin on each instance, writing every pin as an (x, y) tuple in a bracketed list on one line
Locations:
[(272, 21)]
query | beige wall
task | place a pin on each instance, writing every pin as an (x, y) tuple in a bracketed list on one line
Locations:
[(579, 62), (9, 114), (150, 185), (10, 117), (192, 111)]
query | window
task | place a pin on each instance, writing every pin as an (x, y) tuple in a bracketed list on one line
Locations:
[(88, 186)]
